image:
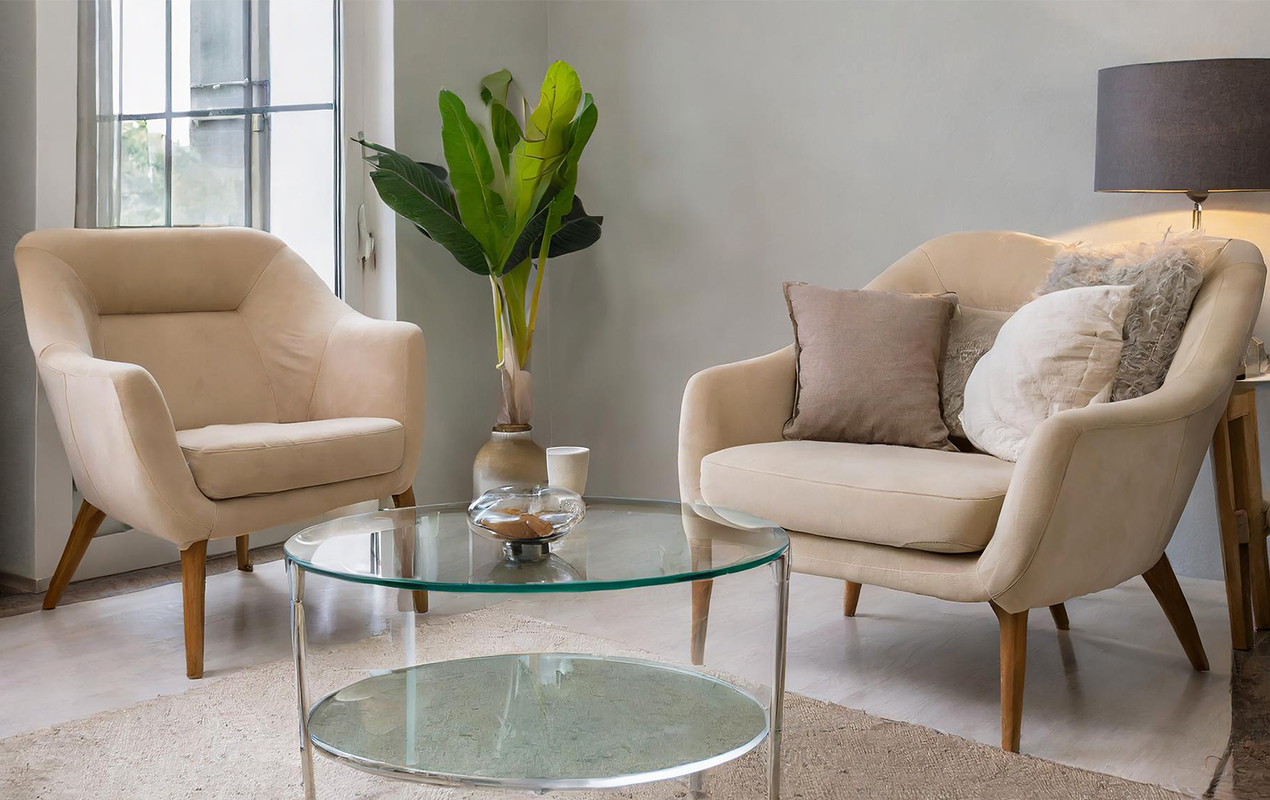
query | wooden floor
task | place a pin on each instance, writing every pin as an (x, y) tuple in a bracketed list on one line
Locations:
[(1114, 694)]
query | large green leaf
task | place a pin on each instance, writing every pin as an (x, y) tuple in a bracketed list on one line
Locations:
[(506, 132), (580, 130), (428, 179), (546, 139), (578, 231), (472, 174), (403, 198), (494, 87), (529, 240)]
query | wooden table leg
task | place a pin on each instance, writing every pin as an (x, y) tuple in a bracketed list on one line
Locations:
[(1234, 557), (1246, 464)]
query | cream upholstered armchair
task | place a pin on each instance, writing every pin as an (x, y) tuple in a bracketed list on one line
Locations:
[(1092, 502), (207, 384)]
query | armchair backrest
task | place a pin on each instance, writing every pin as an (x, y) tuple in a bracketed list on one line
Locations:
[(230, 322), (987, 269)]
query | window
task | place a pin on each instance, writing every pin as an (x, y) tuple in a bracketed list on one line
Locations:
[(227, 113)]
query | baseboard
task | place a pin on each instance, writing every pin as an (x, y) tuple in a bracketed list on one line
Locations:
[(19, 584)]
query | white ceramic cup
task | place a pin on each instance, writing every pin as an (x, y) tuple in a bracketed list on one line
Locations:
[(567, 467)]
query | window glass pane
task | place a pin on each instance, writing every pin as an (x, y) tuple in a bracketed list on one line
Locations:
[(302, 186), (208, 69), (143, 45), (208, 173), (301, 51), (142, 200)]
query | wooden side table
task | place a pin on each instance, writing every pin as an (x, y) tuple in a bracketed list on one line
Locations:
[(1241, 513)]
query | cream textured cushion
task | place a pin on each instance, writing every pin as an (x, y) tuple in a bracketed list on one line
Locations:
[(944, 502), (266, 457), (868, 366), (1056, 353)]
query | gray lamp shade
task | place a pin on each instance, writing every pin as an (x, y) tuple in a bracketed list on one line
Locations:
[(1184, 126)]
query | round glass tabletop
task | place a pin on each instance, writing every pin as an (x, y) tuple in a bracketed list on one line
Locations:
[(620, 544)]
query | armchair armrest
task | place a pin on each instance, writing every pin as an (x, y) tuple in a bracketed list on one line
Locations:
[(375, 368), (730, 405), (122, 445)]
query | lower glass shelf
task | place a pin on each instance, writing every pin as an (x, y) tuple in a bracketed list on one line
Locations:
[(538, 721)]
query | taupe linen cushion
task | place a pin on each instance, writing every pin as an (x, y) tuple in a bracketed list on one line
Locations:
[(1165, 279), (868, 366)]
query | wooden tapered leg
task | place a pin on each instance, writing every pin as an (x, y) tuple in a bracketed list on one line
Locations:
[(1013, 667), (1164, 586), (1059, 612), (87, 521), (1245, 456), (405, 500), (700, 619), (243, 547), (1234, 554), (193, 593), (850, 598)]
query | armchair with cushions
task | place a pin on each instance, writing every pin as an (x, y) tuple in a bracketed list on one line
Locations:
[(1091, 503), (207, 384)]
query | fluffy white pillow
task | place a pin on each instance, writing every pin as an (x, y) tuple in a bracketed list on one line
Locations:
[(1059, 351)]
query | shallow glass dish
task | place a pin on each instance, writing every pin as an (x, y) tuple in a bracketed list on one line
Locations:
[(526, 518)]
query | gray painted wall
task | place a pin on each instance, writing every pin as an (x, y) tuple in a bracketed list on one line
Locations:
[(453, 45), (17, 216), (744, 144)]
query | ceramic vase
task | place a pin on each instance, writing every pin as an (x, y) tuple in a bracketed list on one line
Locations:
[(510, 457)]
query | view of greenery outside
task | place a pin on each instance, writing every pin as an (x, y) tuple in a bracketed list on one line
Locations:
[(141, 181)]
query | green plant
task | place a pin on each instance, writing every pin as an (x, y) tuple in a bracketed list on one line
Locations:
[(502, 216)]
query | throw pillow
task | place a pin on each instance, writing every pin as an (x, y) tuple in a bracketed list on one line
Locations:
[(1165, 278), (1058, 352), (868, 366), (971, 334)]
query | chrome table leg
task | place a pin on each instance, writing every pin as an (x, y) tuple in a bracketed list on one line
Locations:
[(778, 680), (299, 646)]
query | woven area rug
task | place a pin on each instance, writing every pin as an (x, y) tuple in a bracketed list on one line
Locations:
[(235, 737)]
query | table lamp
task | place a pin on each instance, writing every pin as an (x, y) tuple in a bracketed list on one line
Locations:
[(1184, 126)]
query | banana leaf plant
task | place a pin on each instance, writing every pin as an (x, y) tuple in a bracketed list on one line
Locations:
[(501, 215)]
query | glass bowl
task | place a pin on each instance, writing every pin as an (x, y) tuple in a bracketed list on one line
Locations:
[(526, 518)]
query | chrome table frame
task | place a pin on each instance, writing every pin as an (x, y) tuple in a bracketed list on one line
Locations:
[(299, 649)]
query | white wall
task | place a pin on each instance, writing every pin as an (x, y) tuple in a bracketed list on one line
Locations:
[(17, 216)]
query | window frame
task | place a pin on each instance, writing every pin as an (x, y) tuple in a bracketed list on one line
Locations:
[(248, 111)]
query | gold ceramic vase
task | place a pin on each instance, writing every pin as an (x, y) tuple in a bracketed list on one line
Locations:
[(510, 457)]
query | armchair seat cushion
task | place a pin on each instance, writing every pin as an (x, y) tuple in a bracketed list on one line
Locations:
[(266, 457), (943, 502)]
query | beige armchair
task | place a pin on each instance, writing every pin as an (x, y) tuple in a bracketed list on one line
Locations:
[(1092, 502), (207, 384)]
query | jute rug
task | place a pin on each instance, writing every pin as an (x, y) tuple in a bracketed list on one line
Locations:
[(235, 737)]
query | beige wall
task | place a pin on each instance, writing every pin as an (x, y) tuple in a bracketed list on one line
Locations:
[(744, 144)]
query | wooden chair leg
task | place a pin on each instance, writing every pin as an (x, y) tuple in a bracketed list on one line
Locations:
[(700, 619), (1013, 667), (405, 500), (850, 598), (87, 521), (1245, 454), (193, 594), (1059, 612), (243, 547), (1164, 586), (1234, 555)]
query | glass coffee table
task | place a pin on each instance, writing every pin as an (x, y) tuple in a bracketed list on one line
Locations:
[(541, 721)]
